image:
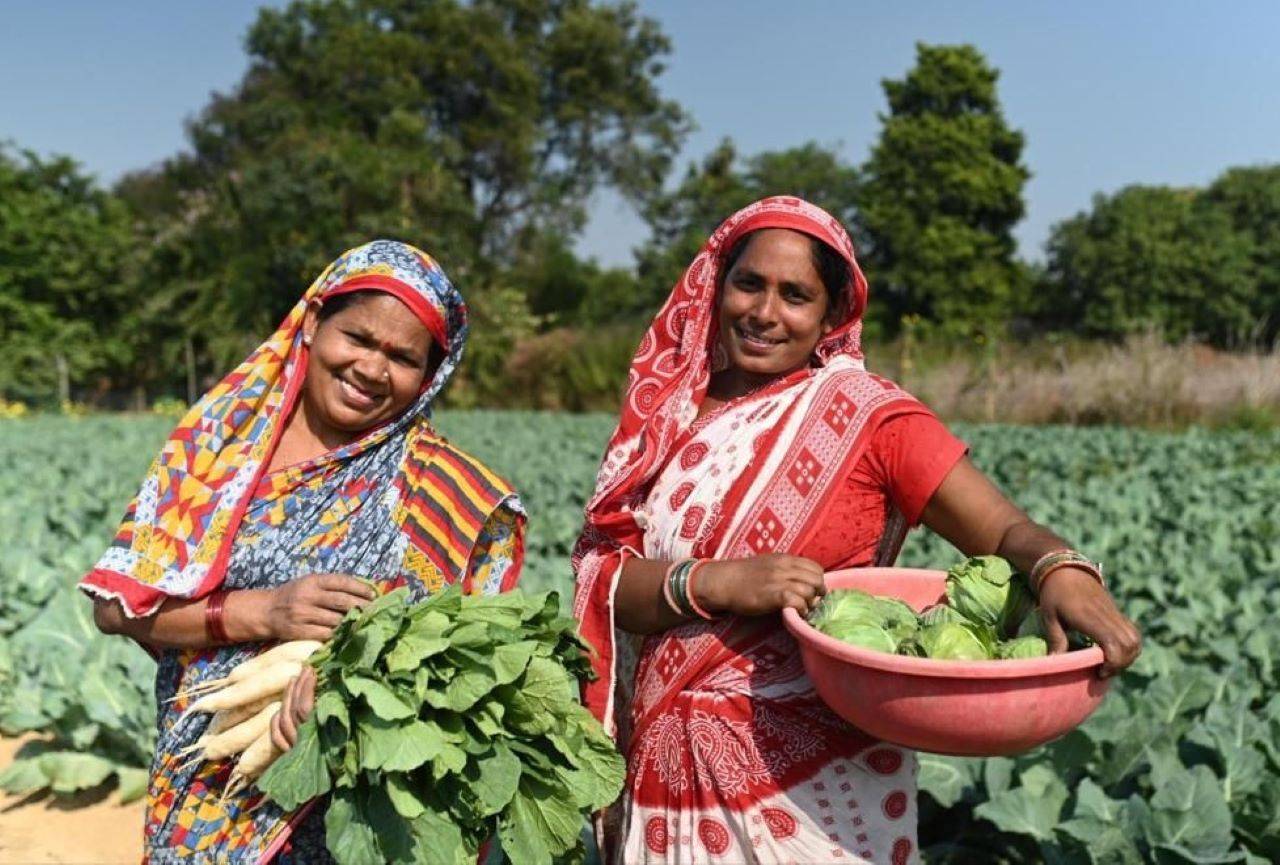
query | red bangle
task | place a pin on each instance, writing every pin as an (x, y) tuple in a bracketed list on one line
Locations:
[(214, 626), (693, 602)]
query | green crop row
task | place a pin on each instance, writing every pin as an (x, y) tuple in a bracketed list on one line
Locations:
[(1181, 763)]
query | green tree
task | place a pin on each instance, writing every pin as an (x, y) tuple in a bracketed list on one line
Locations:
[(64, 259), (1249, 198), (456, 126), (563, 288), (1149, 258), (941, 193), (681, 219)]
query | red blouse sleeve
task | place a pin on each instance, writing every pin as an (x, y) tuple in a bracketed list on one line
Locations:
[(909, 456)]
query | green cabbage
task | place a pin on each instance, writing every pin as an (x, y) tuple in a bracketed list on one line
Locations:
[(985, 603), (984, 590), (939, 613), (862, 634), (952, 641), (846, 605), (897, 617), (1022, 647)]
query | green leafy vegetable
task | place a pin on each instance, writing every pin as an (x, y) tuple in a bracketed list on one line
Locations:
[(1022, 647), (984, 601), (440, 724), (983, 590), (952, 641)]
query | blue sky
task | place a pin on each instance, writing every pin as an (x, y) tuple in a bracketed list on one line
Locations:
[(1107, 93)]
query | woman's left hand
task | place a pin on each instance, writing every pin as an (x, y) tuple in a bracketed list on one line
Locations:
[(1074, 600), (299, 700)]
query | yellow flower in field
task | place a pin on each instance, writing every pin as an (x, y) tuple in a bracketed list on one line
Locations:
[(12, 410)]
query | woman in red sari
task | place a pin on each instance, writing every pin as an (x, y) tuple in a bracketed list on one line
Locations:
[(754, 452)]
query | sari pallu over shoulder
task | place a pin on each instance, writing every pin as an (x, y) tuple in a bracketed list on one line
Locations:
[(775, 506), (667, 382)]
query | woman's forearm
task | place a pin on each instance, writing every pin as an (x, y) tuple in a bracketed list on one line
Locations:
[(180, 624), (969, 511), (638, 604), (1023, 544)]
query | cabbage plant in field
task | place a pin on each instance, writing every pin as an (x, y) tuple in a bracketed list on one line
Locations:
[(1180, 764)]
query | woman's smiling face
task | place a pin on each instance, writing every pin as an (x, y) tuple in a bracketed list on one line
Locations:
[(773, 305), (367, 364)]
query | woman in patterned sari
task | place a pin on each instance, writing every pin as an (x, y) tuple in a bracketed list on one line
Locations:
[(754, 452), (313, 463)]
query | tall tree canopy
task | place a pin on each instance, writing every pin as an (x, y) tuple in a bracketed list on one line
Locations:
[(941, 193), (64, 255), (1151, 258), (1249, 198), (458, 126)]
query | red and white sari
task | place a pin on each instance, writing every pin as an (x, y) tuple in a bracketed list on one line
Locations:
[(732, 756)]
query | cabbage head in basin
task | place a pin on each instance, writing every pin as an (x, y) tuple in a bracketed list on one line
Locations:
[(853, 615), (1022, 647), (865, 635), (845, 605), (953, 641), (984, 591), (985, 604)]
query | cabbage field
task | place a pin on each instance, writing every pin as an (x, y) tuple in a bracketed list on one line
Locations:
[(1181, 763)]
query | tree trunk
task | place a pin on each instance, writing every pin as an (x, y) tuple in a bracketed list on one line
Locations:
[(64, 379), (192, 396)]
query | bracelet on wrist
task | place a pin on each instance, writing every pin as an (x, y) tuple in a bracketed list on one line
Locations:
[(666, 587), (215, 627), (670, 587), (680, 588), (1034, 574), (697, 608), (1058, 559)]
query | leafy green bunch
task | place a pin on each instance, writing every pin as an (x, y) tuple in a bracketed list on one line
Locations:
[(440, 723), (984, 606)]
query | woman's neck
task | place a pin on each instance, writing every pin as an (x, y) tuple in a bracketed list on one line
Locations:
[(730, 384), (304, 438)]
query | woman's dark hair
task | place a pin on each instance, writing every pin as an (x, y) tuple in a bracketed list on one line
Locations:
[(335, 305), (833, 270)]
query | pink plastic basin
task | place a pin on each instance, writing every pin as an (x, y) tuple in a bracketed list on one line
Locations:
[(965, 708)]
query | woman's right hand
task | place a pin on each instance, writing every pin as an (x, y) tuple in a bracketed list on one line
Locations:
[(760, 585), (311, 607)]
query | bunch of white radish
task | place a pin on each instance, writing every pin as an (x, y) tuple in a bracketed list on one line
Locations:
[(242, 704)]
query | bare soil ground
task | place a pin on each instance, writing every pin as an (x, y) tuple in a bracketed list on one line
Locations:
[(89, 828)]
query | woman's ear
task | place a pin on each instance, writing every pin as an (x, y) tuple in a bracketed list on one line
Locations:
[(311, 321)]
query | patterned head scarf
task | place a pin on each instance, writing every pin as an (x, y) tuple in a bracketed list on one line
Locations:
[(176, 535), (672, 367)]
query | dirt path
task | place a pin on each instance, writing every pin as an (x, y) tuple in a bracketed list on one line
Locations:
[(91, 828)]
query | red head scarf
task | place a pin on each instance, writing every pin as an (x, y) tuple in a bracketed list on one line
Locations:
[(672, 367)]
